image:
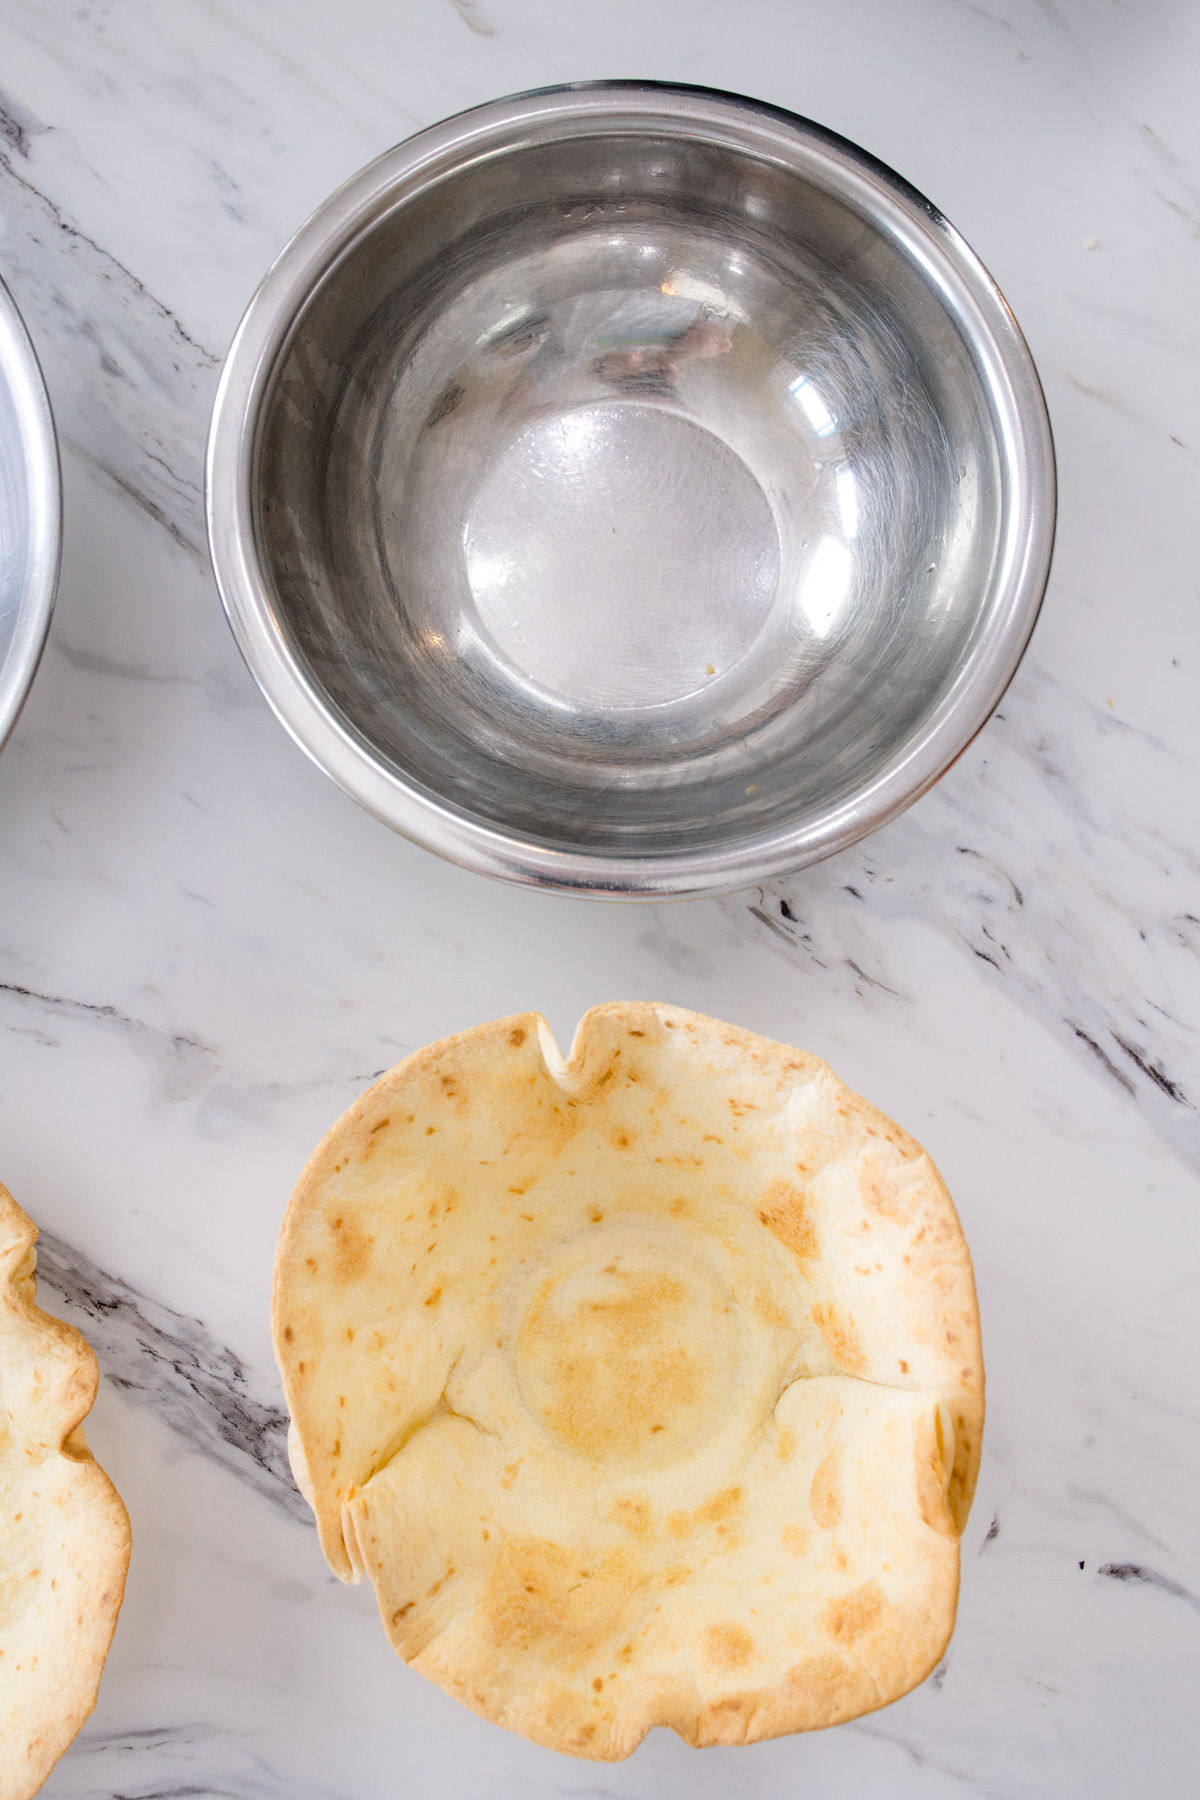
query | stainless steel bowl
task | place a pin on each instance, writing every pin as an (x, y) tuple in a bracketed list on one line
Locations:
[(630, 490), (30, 513)]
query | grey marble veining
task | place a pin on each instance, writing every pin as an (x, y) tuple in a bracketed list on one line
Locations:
[(131, 387), (160, 1763), (1012, 883), (171, 1364)]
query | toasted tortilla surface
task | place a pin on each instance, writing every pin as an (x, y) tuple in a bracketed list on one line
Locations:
[(64, 1534), (646, 1386)]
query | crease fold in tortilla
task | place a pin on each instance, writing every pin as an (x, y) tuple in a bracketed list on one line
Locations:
[(646, 1385), (64, 1534)]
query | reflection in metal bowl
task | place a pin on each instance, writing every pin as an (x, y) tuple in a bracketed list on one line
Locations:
[(30, 513), (631, 490)]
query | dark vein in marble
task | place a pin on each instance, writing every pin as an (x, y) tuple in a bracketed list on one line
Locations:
[(61, 1003), (1136, 1572), (773, 924), (188, 1792), (185, 1069), (871, 981), (168, 1362), (184, 1065), (18, 126), (1090, 1497), (80, 237), (131, 386), (1107, 1061), (921, 1759), (164, 1763), (1154, 1071), (138, 495), (92, 663), (471, 15), (1007, 881)]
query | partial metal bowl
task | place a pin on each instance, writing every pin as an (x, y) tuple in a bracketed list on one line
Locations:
[(630, 490), (30, 513)]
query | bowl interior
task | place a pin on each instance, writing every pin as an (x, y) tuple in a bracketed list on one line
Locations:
[(629, 491)]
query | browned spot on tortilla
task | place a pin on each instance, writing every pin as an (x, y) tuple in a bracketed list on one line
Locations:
[(848, 1618), (433, 1298), (287, 1334), (840, 1339), (728, 1646), (619, 1139), (510, 1472), (717, 1511), (881, 1188), (795, 1541), (903, 1366), (785, 1444), (351, 1248), (633, 1510), (595, 1215), (823, 1690), (783, 1210), (726, 1721), (380, 1125), (516, 1036), (603, 1370), (402, 1611), (768, 1312), (540, 1596), (825, 1495)]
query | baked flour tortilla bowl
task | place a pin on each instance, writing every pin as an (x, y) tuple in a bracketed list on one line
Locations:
[(64, 1534), (645, 1385)]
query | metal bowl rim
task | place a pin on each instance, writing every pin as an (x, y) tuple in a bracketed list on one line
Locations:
[(357, 207), (31, 402)]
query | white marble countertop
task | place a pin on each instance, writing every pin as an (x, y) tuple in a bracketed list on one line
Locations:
[(206, 950)]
